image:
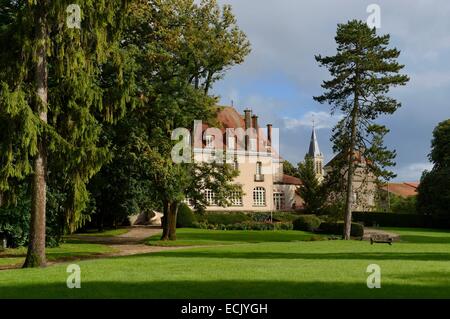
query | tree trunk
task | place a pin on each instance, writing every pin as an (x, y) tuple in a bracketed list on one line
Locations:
[(173, 221), (350, 165), (36, 248), (165, 221)]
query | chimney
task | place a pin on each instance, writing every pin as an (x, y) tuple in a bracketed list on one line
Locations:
[(255, 132), (248, 118), (255, 122), (269, 134)]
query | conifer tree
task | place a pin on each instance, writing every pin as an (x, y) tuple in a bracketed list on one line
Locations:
[(55, 83), (363, 70)]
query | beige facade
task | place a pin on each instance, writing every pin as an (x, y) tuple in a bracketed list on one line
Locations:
[(364, 185), (260, 167)]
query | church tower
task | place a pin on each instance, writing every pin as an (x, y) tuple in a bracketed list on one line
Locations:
[(316, 155)]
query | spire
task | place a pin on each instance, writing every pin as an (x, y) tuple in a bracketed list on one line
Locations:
[(314, 145)]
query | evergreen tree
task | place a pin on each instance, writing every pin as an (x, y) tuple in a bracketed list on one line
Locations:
[(53, 85), (310, 189), (363, 70)]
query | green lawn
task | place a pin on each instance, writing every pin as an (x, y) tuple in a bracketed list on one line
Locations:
[(71, 249), (418, 267), (201, 237)]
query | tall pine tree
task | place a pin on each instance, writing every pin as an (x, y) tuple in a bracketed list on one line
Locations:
[(55, 91), (363, 70)]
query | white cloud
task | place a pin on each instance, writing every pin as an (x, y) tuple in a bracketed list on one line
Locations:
[(412, 172), (321, 120)]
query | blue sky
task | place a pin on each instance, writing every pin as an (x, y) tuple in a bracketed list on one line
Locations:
[(280, 77)]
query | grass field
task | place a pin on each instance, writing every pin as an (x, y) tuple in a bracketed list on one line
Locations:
[(70, 249), (417, 267), (201, 237)]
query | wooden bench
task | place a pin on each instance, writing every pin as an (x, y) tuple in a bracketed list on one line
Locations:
[(381, 239)]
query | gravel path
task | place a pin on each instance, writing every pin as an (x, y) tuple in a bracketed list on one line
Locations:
[(130, 243)]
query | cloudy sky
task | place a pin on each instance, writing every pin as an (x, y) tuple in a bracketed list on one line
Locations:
[(280, 76)]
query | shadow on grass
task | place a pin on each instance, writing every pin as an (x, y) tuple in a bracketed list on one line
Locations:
[(314, 256), (217, 289)]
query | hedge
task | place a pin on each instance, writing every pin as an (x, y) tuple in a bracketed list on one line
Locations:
[(247, 225), (223, 218), (185, 217), (337, 228), (306, 223), (401, 220)]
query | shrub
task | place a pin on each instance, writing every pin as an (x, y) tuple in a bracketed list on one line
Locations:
[(285, 216), (260, 217), (224, 218), (185, 217), (306, 223), (337, 228)]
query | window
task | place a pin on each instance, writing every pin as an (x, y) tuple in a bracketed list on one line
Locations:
[(278, 200), (210, 197), (258, 168), (209, 141), (259, 196), (236, 199)]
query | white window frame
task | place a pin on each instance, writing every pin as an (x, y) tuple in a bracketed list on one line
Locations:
[(210, 197), (259, 197), (279, 200), (236, 199)]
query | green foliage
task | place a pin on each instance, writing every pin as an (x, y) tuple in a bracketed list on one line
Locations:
[(86, 87), (390, 219), (307, 223), (337, 228), (15, 218), (434, 190), (363, 70), (310, 190), (406, 205), (224, 218), (186, 217), (289, 169), (246, 225)]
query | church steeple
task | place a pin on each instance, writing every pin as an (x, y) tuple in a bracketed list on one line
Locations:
[(315, 154), (314, 145)]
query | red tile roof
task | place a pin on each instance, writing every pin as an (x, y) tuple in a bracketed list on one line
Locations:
[(290, 180), (402, 189)]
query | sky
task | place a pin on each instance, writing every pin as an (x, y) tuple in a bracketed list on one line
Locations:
[(280, 76)]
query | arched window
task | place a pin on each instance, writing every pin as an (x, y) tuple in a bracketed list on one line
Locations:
[(259, 196)]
